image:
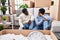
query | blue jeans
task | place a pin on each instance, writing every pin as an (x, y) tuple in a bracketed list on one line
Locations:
[(47, 25), (39, 27), (43, 25), (29, 26)]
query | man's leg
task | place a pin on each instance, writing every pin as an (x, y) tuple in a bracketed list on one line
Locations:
[(45, 24), (20, 28), (26, 26), (31, 25), (38, 28)]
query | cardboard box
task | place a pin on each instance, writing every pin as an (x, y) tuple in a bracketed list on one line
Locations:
[(29, 3), (55, 10), (42, 3), (26, 32)]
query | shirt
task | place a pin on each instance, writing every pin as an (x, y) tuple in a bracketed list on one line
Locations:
[(24, 19), (47, 23), (40, 19)]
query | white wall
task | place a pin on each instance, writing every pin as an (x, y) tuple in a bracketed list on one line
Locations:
[(30, 10), (37, 9), (1, 13)]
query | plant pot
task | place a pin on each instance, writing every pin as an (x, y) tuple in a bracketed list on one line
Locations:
[(1, 27), (4, 12), (3, 3), (4, 22)]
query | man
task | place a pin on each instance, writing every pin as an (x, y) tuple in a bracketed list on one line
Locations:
[(26, 20), (42, 20)]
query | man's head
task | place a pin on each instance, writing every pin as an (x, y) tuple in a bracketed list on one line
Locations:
[(41, 12), (25, 11)]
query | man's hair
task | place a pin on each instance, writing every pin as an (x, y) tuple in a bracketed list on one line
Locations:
[(24, 10), (42, 10)]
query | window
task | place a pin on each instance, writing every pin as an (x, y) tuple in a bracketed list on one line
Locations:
[(17, 3), (52, 3), (6, 4), (7, 12)]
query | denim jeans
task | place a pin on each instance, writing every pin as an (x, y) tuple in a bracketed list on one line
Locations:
[(29, 26), (43, 25), (39, 27), (47, 25)]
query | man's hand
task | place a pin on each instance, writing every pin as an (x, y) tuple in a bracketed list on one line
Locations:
[(39, 14), (45, 19), (29, 22)]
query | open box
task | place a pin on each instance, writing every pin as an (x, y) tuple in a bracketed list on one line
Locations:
[(26, 32)]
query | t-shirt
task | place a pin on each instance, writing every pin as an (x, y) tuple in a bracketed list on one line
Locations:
[(25, 18)]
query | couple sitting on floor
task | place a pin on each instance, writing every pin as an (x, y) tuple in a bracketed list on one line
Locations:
[(28, 21)]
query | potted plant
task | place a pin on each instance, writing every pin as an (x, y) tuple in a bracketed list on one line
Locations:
[(0, 7), (23, 6), (3, 9), (3, 2), (1, 27), (4, 18)]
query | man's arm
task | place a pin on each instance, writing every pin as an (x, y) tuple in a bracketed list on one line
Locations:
[(38, 22), (47, 18), (46, 24), (21, 24)]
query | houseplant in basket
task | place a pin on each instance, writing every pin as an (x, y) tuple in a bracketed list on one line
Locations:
[(1, 27), (23, 6), (3, 9), (4, 18), (3, 2)]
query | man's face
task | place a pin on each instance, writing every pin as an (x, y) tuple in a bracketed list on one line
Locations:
[(26, 13), (39, 14)]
